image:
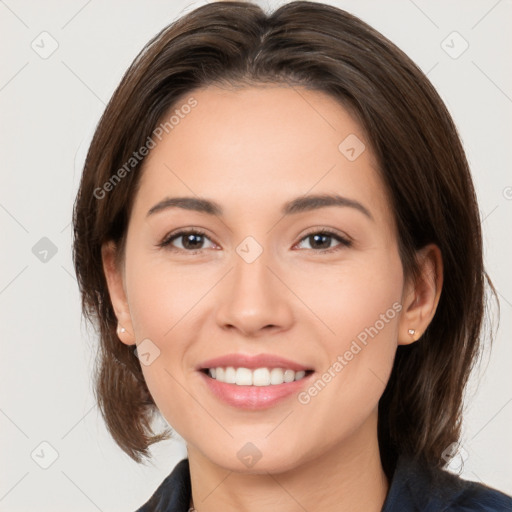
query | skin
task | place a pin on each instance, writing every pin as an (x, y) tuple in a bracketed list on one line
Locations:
[(251, 149)]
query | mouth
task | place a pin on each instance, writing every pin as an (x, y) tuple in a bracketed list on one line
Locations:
[(254, 389), (255, 377), (254, 381)]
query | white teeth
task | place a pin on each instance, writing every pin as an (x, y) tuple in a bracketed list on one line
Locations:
[(243, 377), (276, 376), (230, 375), (260, 377), (257, 377), (289, 376)]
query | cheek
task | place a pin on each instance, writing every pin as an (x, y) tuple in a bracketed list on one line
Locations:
[(161, 296), (163, 304), (361, 307), (370, 302), (355, 295)]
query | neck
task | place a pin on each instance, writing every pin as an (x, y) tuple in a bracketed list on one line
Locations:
[(348, 476)]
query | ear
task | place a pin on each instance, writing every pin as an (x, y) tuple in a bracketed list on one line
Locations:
[(114, 276), (421, 295)]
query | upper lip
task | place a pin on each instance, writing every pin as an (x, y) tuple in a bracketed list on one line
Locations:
[(252, 362)]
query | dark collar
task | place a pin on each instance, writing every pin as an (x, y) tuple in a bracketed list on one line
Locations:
[(414, 488), (417, 487)]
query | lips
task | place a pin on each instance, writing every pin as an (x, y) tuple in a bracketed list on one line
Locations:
[(253, 397), (252, 362)]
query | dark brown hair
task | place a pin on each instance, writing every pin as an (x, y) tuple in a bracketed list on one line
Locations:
[(422, 164)]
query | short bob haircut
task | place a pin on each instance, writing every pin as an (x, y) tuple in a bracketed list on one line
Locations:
[(421, 162)]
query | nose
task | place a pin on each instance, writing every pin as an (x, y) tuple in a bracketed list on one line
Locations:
[(255, 299)]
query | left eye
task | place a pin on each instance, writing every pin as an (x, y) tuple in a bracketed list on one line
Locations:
[(322, 240)]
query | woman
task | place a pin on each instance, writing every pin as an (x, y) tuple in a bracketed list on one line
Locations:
[(277, 234)]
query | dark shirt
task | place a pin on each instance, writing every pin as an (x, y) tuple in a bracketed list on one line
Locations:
[(413, 488)]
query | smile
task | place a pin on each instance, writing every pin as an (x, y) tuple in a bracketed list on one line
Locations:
[(257, 377), (250, 396)]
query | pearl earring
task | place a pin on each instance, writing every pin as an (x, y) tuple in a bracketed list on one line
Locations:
[(411, 332), (122, 329)]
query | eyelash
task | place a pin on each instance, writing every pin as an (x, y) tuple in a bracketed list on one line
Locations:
[(344, 242)]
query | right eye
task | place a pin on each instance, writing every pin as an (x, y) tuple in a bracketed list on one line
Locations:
[(190, 241)]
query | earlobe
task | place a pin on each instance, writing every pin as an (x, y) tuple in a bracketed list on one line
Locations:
[(421, 295), (114, 278)]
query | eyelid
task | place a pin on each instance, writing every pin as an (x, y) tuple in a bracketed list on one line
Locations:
[(323, 229)]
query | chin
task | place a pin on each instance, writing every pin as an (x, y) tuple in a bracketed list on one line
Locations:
[(251, 459)]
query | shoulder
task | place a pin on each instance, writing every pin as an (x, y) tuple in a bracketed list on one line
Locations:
[(420, 488), (173, 494)]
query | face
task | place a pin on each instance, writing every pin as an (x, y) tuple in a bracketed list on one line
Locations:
[(318, 283)]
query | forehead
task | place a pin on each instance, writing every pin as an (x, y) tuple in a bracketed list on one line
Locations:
[(251, 145)]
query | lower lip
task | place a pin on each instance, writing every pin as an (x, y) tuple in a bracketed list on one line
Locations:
[(254, 397)]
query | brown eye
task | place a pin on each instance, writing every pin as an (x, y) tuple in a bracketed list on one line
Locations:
[(191, 240), (322, 240)]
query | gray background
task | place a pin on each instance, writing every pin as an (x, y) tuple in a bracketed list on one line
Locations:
[(50, 105)]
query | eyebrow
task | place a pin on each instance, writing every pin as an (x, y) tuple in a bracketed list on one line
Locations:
[(298, 205)]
